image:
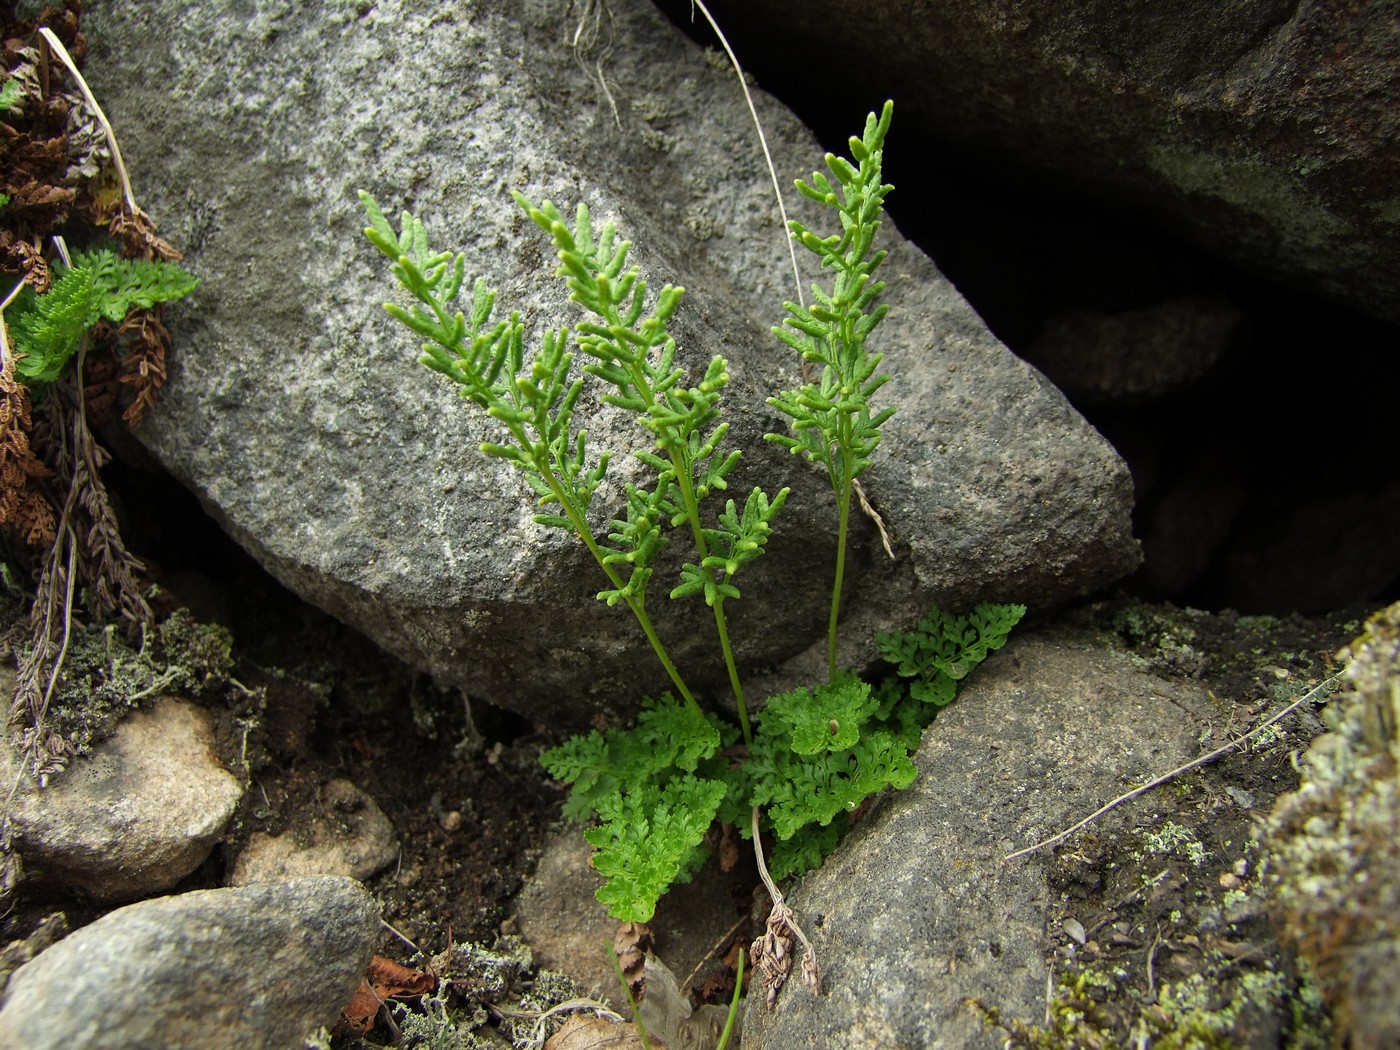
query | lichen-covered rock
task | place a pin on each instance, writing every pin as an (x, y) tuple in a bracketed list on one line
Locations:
[(1334, 850), (295, 410), (1263, 130)]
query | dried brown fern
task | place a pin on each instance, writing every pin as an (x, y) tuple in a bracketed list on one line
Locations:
[(53, 504), (24, 509)]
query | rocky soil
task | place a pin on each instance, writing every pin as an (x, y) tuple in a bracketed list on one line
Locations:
[(304, 808), (1151, 919)]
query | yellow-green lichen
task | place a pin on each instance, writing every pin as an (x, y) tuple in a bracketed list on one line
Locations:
[(1292, 212), (1214, 1010), (1333, 860)]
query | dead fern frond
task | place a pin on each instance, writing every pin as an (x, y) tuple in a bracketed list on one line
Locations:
[(101, 372), (144, 367), (138, 233), (87, 553), (25, 257), (24, 510), (107, 570), (773, 953), (39, 665)]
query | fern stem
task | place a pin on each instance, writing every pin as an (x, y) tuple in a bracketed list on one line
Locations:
[(843, 499), (639, 611), (681, 462), (733, 669), (684, 474), (635, 603)]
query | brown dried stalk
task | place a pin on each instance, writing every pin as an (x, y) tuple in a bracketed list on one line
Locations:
[(88, 551), (772, 953)]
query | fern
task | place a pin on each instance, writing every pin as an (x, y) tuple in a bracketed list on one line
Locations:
[(633, 352), (649, 839), (669, 736), (799, 790), (48, 329), (807, 848), (811, 757), (943, 648), (833, 423), (654, 810), (816, 755), (827, 718)]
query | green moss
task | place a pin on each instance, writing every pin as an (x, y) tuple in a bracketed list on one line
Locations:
[(197, 656), (1077, 1017), (1189, 1015), (1164, 639), (1169, 838), (103, 677)]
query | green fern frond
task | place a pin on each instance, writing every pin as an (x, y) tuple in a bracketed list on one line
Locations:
[(944, 648), (799, 790), (807, 848), (48, 329), (827, 718), (651, 838)]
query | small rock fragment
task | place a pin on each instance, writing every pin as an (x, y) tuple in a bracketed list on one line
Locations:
[(136, 815), (1075, 929), (348, 834)]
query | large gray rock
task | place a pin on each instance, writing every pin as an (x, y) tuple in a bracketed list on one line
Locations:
[(1265, 131), (135, 816), (295, 411), (255, 968), (917, 911)]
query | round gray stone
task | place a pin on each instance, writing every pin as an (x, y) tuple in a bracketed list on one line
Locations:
[(136, 815), (252, 968)]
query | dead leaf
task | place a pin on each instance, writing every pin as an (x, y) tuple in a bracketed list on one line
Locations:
[(595, 1033), (631, 943), (359, 1013), (729, 847), (393, 980), (386, 980)]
